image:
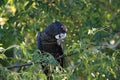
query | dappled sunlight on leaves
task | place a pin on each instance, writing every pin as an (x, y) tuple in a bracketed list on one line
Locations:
[(93, 38)]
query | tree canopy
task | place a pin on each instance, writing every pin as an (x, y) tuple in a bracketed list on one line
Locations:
[(93, 38)]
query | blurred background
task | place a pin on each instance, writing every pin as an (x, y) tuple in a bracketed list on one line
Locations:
[(93, 38)]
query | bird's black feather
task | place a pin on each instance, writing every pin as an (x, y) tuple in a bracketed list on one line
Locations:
[(46, 42)]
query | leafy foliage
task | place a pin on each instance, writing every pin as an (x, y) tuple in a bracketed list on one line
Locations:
[(93, 37)]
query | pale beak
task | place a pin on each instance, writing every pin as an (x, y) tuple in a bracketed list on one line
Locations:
[(60, 36)]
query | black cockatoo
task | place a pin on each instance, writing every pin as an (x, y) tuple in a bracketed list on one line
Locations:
[(49, 40)]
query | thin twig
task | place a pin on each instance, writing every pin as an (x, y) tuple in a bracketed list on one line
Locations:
[(19, 65)]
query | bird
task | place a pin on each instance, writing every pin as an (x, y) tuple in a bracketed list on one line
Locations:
[(50, 40)]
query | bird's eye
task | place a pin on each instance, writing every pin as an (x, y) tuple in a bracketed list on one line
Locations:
[(64, 28)]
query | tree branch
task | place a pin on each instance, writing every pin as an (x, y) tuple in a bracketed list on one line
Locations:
[(31, 63), (19, 65)]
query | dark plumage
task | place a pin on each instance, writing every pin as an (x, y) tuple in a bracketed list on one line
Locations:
[(49, 40)]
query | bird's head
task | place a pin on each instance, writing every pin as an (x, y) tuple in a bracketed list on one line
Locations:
[(56, 30)]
